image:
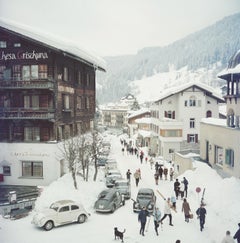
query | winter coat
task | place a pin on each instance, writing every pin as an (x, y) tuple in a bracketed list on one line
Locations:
[(228, 239), (186, 208), (185, 182), (136, 175), (165, 171), (160, 170), (176, 185), (167, 208), (142, 216), (201, 212), (237, 236), (157, 215)]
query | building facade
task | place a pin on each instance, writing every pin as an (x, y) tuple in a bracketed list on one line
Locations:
[(177, 114), (47, 93), (220, 139)]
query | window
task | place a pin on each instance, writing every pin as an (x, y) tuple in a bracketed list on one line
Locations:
[(6, 170), (32, 169), (229, 159), (192, 122), (79, 78), (218, 155), (87, 103), (185, 103), (31, 101), (209, 114), (64, 209), (16, 72), (192, 138), (43, 71), (2, 68), (74, 207), (88, 79), (31, 134), (30, 72), (17, 44), (65, 74), (79, 103), (192, 101), (3, 44), (66, 104)]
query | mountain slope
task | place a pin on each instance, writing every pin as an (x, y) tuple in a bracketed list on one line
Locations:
[(203, 49)]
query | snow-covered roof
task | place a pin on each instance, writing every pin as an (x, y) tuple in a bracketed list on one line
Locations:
[(138, 112), (55, 42), (177, 89), (228, 71), (214, 121), (144, 120)]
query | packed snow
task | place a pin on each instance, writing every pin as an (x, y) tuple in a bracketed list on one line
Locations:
[(221, 197)]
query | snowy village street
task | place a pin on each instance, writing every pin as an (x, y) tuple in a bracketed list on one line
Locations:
[(222, 198)]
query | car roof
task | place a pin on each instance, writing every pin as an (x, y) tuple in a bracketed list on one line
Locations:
[(108, 193), (145, 190), (64, 202)]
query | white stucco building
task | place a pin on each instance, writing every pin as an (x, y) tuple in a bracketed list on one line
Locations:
[(220, 139), (176, 117)]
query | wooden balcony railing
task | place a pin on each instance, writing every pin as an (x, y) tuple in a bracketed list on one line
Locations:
[(14, 83), (30, 113)]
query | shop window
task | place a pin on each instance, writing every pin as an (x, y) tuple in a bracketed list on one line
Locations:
[(229, 159), (6, 170), (32, 169)]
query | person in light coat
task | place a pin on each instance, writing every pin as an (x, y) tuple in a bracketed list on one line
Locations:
[(157, 219), (167, 211)]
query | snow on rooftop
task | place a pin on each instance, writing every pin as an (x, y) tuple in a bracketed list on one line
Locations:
[(138, 112), (55, 42), (214, 121), (144, 120), (227, 71)]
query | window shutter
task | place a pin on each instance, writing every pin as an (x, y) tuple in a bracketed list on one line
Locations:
[(165, 114), (196, 138), (173, 114)]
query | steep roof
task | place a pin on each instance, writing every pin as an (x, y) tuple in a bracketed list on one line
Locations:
[(175, 90), (66, 47)]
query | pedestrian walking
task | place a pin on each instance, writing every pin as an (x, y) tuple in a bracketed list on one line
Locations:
[(137, 177), (181, 190), (171, 173), (146, 159), (165, 172), (141, 158), (176, 188), (173, 201), (201, 213), (128, 175), (157, 218), (186, 210), (160, 171), (156, 177), (167, 211), (151, 162), (228, 238), (142, 218), (185, 182), (237, 234)]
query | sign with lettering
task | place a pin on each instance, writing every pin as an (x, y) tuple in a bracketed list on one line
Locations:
[(23, 55)]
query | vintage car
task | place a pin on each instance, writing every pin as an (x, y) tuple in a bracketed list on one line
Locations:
[(109, 200), (145, 198), (123, 186), (111, 178), (101, 160), (60, 213)]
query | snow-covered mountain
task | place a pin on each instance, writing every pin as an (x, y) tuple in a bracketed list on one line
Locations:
[(199, 56)]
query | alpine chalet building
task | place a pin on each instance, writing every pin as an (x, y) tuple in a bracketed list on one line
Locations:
[(47, 93)]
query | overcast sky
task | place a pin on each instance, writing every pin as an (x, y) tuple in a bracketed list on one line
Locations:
[(118, 27)]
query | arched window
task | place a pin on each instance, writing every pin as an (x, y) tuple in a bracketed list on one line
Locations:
[(209, 114)]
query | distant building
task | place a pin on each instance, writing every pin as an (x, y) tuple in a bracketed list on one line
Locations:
[(176, 117), (47, 93), (220, 139)]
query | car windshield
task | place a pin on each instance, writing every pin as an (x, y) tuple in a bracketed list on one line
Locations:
[(121, 184), (144, 195)]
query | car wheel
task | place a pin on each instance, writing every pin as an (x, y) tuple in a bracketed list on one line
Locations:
[(81, 218), (49, 225), (113, 208)]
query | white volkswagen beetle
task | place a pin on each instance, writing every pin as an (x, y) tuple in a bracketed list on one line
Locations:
[(59, 213)]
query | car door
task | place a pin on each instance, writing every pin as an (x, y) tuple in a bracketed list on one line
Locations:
[(64, 215), (117, 199)]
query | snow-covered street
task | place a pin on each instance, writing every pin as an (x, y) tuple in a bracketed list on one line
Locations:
[(222, 198)]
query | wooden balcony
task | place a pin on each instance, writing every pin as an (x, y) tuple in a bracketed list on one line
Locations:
[(14, 83), (30, 113)]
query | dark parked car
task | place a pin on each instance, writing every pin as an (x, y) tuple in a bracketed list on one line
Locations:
[(111, 178), (102, 160), (109, 200), (123, 186), (145, 198)]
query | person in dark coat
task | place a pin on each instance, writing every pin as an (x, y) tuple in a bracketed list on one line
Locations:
[(160, 171), (237, 234), (128, 174), (142, 218), (201, 212), (185, 182), (176, 188)]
